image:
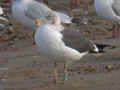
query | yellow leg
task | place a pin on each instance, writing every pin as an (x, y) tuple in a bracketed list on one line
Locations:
[(33, 38), (55, 72), (65, 72)]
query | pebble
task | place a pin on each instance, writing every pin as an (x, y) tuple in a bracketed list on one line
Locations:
[(109, 67)]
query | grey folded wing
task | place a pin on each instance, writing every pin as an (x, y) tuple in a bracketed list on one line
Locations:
[(36, 10), (76, 40), (116, 7)]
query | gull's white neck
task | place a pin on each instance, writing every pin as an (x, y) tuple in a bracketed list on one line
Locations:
[(57, 20)]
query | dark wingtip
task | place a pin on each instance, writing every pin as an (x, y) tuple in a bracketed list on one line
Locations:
[(101, 47), (75, 20)]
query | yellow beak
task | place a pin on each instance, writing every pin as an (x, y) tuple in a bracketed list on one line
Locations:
[(38, 21)]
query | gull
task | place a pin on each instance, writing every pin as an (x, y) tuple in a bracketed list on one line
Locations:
[(2, 14), (53, 42), (2, 18), (1, 11), (26, 11), (109, 9)]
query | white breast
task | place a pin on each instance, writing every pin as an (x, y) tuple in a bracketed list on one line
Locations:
[(104, 8), (50, 44), (1, 11)]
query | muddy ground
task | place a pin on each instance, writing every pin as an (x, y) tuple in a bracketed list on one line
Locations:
[(22, 67)]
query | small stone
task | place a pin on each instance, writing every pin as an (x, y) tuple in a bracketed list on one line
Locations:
[(84, 21), (3, 80), (5, 37), (102, 30), (109, 68), (92, 68), (11, 30), (79, 72)]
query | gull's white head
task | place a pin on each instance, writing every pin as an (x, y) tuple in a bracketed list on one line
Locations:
[(51, 18)]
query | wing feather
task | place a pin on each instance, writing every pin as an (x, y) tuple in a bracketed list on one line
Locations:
[(116, 7), (76, 40), (36, 10)]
